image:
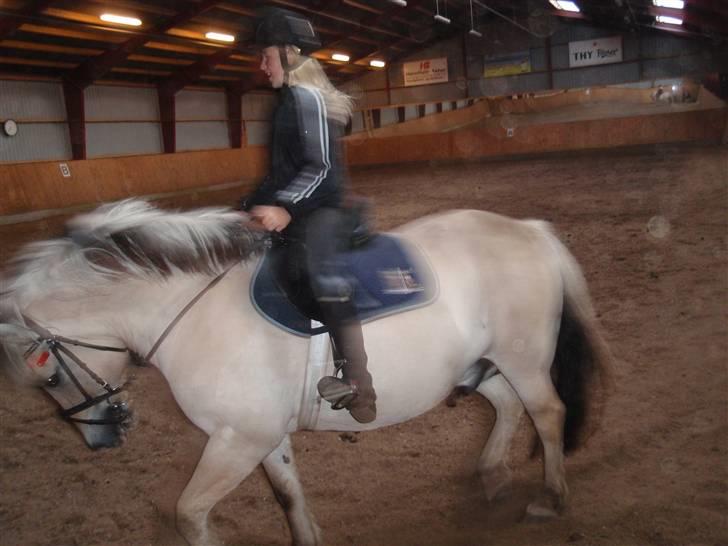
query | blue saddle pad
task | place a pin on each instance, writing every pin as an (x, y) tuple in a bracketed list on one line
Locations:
[(387, 281)]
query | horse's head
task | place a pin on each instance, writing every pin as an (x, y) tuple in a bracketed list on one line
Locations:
[(83, 288), (83, 379)]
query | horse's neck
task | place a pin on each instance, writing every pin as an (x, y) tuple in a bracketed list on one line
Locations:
[(150, 308)]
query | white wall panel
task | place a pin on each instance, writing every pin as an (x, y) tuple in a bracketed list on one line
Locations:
[(357, 122), (259, 106), (114, 139), (372, 80), (664, 45), (111, 103), (428, 93), (575, 33), (31, 101), (372, 99), (202, 135), (201, 105), (389, 116), (597, 75), (36, 142), (677, 66), (258, 133), (509, 85)]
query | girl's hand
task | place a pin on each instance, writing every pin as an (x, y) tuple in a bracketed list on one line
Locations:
[(272, 218)]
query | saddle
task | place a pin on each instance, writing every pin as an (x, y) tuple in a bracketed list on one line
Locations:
[(387, 275)]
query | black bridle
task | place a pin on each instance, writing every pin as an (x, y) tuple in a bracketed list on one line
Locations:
[(55, 345)]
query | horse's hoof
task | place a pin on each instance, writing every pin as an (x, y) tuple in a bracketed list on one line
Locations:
[(538, 512), (548, 506), (497, 482)]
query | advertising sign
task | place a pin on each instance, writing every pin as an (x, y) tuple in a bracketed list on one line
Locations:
[(507, 65), (591, 52), (425, 72)]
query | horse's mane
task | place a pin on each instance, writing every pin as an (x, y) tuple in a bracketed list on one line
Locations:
[(130, 238)]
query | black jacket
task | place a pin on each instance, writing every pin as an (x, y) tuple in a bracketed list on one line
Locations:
[(306, 170)]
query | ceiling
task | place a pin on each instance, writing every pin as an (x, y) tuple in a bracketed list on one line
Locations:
[(65, 39)]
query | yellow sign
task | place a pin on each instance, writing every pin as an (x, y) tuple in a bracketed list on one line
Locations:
[(510, 65)]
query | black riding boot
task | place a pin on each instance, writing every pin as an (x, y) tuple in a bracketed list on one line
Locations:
[(355, 390)]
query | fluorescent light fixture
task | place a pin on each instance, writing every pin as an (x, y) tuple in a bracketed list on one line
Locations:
[(340, 57), (220, 37), (673, 4), (377, 63), (668, 20), (565, 5), (475, 33), (399, 3), (121, 20), (442, 19)]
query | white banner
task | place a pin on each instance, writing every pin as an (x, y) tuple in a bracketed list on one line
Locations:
[(591, 52), (425, 72)]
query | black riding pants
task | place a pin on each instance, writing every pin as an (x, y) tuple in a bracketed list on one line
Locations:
[(326, 236)]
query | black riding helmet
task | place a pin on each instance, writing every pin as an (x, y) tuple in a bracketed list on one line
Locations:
[(281, 27)]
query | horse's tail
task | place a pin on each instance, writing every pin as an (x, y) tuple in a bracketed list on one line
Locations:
[(582, 366)]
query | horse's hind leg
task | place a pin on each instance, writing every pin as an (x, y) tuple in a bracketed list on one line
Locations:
[(227, 459), (281, 471), (493, 466), (537, 392)]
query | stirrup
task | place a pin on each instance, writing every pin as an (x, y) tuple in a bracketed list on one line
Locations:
[(337, 392)]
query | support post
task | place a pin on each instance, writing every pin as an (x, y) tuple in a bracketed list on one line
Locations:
[(235, 117), (167, 118), (76, 116)]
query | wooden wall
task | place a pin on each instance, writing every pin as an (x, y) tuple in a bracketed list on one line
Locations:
[(26, 187), (701, 126), (29, 187)]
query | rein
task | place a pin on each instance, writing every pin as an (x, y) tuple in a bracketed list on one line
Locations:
[(183, 312)]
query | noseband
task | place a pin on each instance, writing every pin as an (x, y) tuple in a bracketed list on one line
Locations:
[(55, 345)]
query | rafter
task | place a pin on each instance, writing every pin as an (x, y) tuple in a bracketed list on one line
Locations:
[(11, 23), (96, 68), (191, 74)]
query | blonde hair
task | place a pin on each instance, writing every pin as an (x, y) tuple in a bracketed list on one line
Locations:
[(309, 73)]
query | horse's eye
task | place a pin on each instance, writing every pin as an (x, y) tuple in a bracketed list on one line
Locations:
[(53, 380)]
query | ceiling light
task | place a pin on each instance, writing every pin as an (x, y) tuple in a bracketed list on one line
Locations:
[(668, 20), (399, 3), (475, 33), (565, 5), (377, 63), (674, 4), (121, 20), (220, 37), (340, 57)]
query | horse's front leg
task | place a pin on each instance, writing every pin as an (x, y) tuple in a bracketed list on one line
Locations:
[(283, 476), (228, 458)]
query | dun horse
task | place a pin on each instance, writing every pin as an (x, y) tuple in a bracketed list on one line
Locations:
[(510, 318)]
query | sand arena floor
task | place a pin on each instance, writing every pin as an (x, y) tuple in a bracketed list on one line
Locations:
[(649, 227)]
